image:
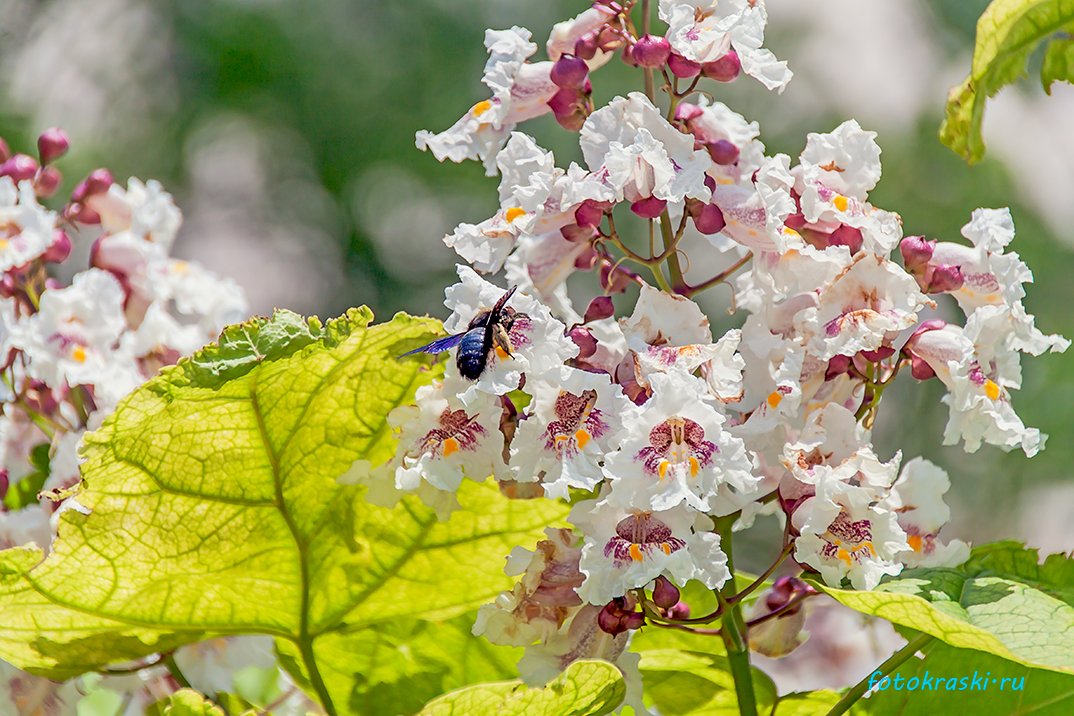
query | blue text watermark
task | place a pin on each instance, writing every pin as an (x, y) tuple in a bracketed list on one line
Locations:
[(977, 682)]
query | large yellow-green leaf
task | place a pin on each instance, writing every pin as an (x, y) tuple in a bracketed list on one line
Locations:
[(186, 702), (1001, 602), (950, 680), (1007, 33), (215, 511), (586, 688)]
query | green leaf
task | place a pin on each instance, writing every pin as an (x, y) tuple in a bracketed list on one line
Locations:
[(1042, 693), (808, 703), (1007, 33), (1001, 601), (1058, 62), (698, 683), (24, 492), (187, 702), (586, 688), (215, 511)]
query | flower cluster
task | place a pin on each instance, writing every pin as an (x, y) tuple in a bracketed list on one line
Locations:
[(71, 351), (655, 432)]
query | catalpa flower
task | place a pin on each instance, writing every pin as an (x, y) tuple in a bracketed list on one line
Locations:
[(626, 549), (145, 211), (674, 449), (832, 445), (27, 229), (569, 428), (537, 341), (917, 499), (520, 91)]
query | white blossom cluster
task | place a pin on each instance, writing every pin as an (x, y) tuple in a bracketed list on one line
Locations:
[(650, 427), (69, 353)]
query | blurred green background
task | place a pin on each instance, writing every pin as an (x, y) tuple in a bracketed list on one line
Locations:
[(285, 131)]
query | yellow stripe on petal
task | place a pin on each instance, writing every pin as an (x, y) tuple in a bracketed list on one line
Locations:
[(840, 202), (991, 390), (774, 398), (582, 438), (635, 553), (79, 354), (501, 353), (844, 555), (695, 467), (481, 107), (450, 445), (666, 547), (662, 468), (915, 542), (513, 213)]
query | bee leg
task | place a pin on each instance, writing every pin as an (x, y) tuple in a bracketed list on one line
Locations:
[(501, 340)]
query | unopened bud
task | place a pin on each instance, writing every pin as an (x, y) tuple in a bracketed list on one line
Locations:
[(725, 69), (569, 72), (687, 111), (916, 253), (610, 619), (682, 67), (945, 278), (651, 51), (47, 181), (628, 57), (60, 248), (599, 308), (587, 344), (665, 594), (634, 620), (589, 213), (52, 144), (649, 208), (5, 151), (837, 366), (20, 167), (586, 260), (586, 46), (920, 369), (680, 611), (615, 279), (723, 152), (795, 221), (881, 353), (570, 108), (609, 40), (575, 233), (709, 219), (97, 182), (4, 483), (848, 236)]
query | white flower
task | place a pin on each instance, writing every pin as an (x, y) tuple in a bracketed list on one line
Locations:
[(662, 318), (146, 211), (566, 34), (704, 31), (519, 91), (25, 527), (23, 694), (217, 302), (843, 535), (210, 666), (832, 445), (537, 341), (917, 499), (626, 549), (486, 245), (160, 340), (569, 428), (26, 228), (674, 449), (540, 267)]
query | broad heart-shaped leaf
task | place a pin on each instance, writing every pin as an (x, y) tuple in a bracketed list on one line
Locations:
[(215, 510), (1007, 33), (951, 680), (586, 688), (1001, 601), (187, 702)]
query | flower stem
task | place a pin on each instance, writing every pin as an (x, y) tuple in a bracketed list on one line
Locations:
[(678, 284), (734, 628), (893, 662), (650, 90), (177, 674)]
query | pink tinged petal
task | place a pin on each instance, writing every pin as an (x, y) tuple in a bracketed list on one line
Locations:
[(847, 541), (677, 442), (577, 423), (457, 432), (639, 536)]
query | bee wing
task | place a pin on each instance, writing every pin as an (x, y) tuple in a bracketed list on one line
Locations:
[(494, 318), (438, 346)]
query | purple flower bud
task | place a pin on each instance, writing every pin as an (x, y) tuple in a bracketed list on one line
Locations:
[(709, 219), (920, 369), (848, 236), (20, 167), (628, 57), (47, 181), (634, 620), (599, 308), (615, 279), (945, 278), (680, 611), (52, 144), (97, 182), (586, 46), (651, 51), (725, 69), (648, 208), (4, 483), (60, 248), (81, 214), (665, 594), (879, 354), (569, 71), (682, 67), (575, 233), (586, 260), (610, 620), (687, 111), (587, 344), (916, 253), (723, 152), (837, 366), (570, 108), (589, 213), (5, 151), (609, 40)]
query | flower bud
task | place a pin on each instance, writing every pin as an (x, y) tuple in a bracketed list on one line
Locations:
[(97, 182), (945, 278), (599, 308), (47, 181), (569, 72), (586, 260), (649, 208), (587, 344), (585, 47), (920, 369), (651, 51), (837, 366), (19, 167), (615, 279), (60, 248), (4, 483), (610, 619), (570, 108), (589, 213), (609, 40), (5, 151), (682, 67), (723, 152), (916, 253), (687, 111), (795, 221), (52, 144), (879, 354), (680, 611), (709, 219), (725, 69), (848, 236), (628, 58), (575, 233), (634, 620), (665, 594)]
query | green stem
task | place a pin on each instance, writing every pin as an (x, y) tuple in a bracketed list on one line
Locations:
[(719, 278), (175, 671), (678, 284), (734, 627), (761, 580), (884, 669)]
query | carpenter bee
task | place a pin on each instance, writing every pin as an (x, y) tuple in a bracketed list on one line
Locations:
[(488, 330)]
